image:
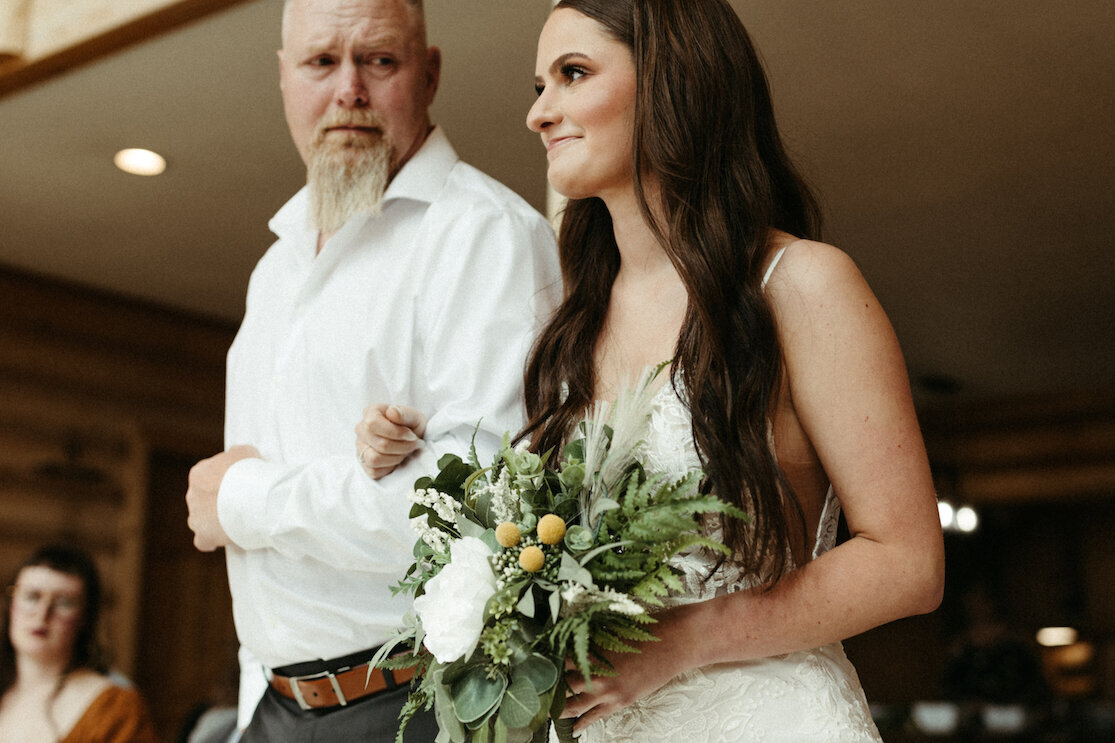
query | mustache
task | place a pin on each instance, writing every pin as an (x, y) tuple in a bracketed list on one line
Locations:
[(362, 118)]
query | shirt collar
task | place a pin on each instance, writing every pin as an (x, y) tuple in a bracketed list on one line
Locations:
[(424, 175), (421, 179)]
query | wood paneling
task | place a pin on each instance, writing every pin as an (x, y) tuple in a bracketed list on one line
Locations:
[(104, 405), (1052, 447)]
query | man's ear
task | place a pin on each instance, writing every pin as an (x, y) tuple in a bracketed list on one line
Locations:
[(433, 73), (282, 68)]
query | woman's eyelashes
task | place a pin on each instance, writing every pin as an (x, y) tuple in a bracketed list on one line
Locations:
[(570, 73), (573, 73)]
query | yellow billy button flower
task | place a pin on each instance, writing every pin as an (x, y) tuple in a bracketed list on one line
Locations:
[(531, 559), (551, 529), (507, 534)]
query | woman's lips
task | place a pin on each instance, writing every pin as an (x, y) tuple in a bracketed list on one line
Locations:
[(557, 142)]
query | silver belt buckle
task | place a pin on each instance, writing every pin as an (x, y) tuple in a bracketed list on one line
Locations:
[(297, 692)]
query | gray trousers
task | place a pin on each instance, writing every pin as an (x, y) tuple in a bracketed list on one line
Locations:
[(373, 719)]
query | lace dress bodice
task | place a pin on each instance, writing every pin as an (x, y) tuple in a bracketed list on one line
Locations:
[(668, 448), (810, 696)]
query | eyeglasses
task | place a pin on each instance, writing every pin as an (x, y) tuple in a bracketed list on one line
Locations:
[(65, 606)]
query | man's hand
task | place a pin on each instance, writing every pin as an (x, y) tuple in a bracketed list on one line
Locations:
[(386, 436), (201, 496)]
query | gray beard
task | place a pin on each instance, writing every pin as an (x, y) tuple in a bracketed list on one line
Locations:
[(347, 178)]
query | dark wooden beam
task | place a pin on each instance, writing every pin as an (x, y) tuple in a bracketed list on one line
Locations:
[(39, 61)]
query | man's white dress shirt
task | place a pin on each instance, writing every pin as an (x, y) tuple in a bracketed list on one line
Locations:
[(434, 304)]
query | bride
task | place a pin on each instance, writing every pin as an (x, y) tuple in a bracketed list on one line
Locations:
[(686, 237), (689, 236)]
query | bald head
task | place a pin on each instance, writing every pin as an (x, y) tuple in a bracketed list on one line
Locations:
[(414, 5)]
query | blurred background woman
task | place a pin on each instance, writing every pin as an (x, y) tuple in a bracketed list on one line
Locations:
[(55, 687)]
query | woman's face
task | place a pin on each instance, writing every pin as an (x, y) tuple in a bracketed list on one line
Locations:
[(585, 110), (47, 611)]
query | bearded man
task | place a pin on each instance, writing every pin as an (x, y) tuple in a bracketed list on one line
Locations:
[(399, 273)]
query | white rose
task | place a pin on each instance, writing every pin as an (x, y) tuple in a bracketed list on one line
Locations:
[(452, 609)]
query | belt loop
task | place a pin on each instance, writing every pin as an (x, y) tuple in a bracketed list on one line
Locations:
[(337, 689)]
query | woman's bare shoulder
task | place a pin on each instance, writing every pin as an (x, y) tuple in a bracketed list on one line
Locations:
[(809, 265), (815, 280)]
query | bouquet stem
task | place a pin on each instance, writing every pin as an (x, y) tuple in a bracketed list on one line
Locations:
[(563, 726)]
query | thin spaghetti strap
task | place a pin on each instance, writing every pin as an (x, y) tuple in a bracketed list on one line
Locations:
[(773, 262)]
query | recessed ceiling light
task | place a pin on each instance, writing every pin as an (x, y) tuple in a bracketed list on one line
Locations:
[(1052, 637), (140, 162)]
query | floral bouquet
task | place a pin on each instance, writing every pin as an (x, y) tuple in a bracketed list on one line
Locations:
[(528, 563)]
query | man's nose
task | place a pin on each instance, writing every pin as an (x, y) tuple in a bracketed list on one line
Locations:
[(351, 90)]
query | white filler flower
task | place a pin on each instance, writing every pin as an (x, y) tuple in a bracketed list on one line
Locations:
[(452, 609)]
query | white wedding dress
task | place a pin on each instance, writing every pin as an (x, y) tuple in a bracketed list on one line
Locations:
[(810, 696)]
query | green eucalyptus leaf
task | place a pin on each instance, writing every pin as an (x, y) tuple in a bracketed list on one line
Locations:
[(483, 507), (571, 570), (447, 721), (471, 529), (541, 721), (447, 460), (538, 670), (520, 704), (526, 604), (482, 733), (475, 694), (489, 538), (575, 451)]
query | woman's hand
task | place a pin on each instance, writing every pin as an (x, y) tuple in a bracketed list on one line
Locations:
[(386, 436), (639, 674)]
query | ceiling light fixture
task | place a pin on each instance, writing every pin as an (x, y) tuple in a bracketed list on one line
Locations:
[(140, 162), (1053, 637)]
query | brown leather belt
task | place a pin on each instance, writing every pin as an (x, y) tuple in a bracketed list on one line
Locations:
[(338, 688)]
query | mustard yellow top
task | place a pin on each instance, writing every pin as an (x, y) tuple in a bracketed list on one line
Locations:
[(117, 715)]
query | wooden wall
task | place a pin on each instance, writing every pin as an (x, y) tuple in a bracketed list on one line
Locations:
[(104, 406)]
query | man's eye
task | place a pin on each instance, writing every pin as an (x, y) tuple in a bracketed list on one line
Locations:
[(321, 61)]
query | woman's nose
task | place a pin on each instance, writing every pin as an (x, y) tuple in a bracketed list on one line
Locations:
[(542, 114)]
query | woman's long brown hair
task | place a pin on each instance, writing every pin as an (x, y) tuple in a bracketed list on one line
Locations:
[(705, 133)]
